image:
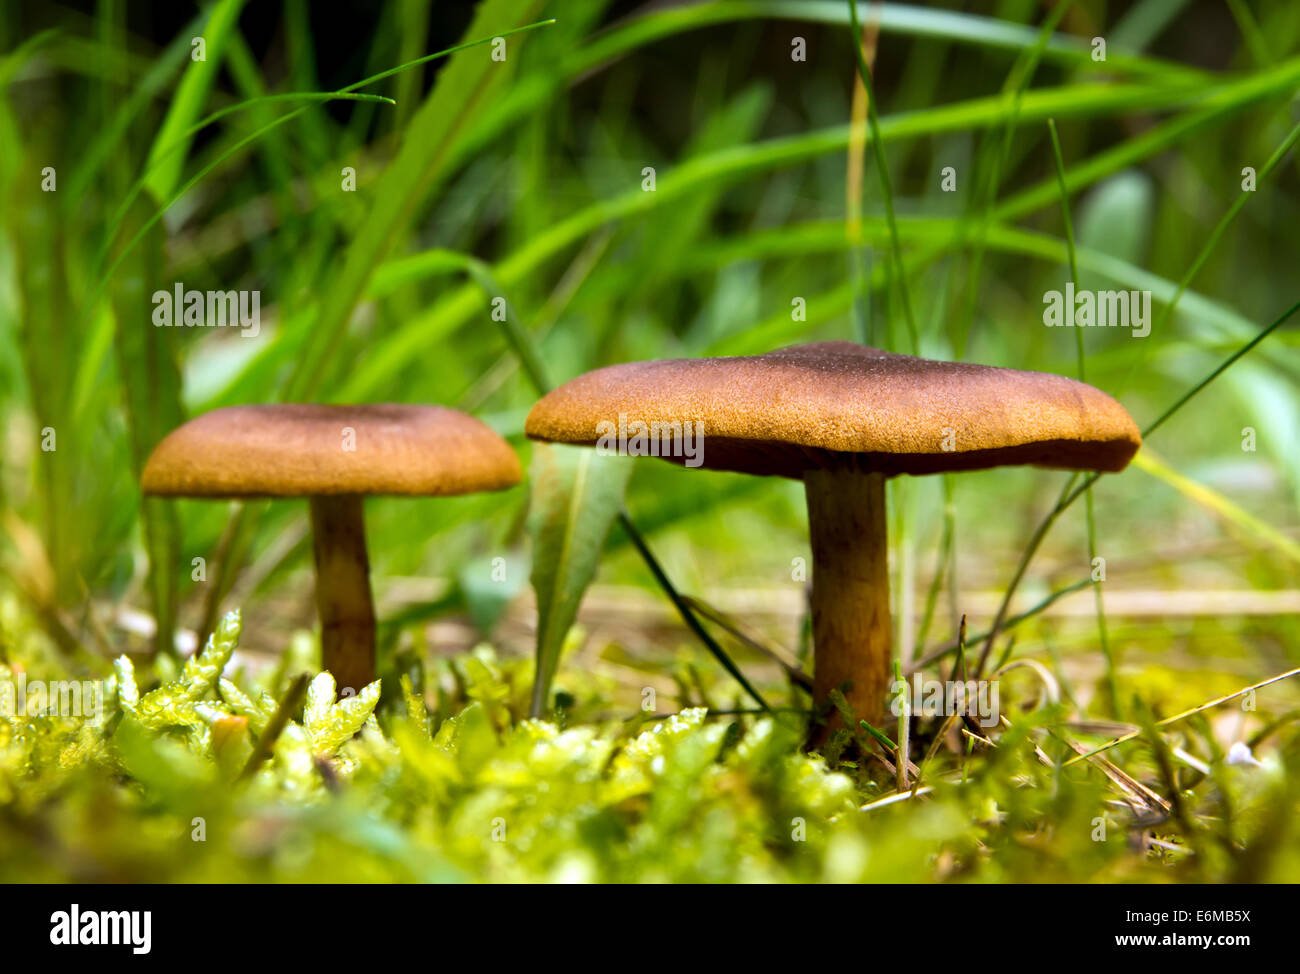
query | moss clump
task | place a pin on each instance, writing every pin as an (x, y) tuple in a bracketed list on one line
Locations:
[(365, 789)]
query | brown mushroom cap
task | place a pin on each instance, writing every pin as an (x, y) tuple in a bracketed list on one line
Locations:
[(296, 450), (828, 404)]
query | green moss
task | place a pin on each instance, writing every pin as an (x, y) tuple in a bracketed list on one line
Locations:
[(361, 791)]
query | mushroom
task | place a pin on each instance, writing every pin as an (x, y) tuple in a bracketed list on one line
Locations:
[(842, 418), (335, 456)]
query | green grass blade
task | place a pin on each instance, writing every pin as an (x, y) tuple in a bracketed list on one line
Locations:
[(1283, 148), (882, 169), (1223, 507), (190, 98), (993, 159), (468, 81), (109, 139), (576, 495), (399, 347)]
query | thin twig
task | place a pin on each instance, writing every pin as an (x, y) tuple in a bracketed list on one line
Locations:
[(904, 728), (894, 798), (684, 610), (275, 726), (1184, 715), (1014, 621), (720, 618)]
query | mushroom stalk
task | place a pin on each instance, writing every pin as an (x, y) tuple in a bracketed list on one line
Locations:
[(850, 591), (347, 614)]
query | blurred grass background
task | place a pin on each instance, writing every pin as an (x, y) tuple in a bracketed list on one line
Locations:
[(534, 166)]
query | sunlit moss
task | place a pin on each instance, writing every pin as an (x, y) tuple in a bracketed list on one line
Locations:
[(369, 792)]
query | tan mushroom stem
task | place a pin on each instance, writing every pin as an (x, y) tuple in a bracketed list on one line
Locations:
[(347, 614), (850, 591)]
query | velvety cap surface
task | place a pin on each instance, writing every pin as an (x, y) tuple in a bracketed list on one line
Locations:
[(294, 450), (832, 403)]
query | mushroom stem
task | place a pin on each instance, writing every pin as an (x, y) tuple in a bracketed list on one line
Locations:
[(347, 614), (850, 591)]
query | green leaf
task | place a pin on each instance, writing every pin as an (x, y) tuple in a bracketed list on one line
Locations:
[(576, 495), (330, 725), (320, 697), (128, 694), (470, 737), (240, 703), (190, 97), (170, 772), (468, 82), (173, 703), (416, 711), (201, 671)]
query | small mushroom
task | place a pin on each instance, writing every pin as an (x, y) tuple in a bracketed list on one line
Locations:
[(842, 418), (335, 456)]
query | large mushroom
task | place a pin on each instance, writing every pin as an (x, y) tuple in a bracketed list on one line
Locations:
[(335, 456), (842, 418)]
